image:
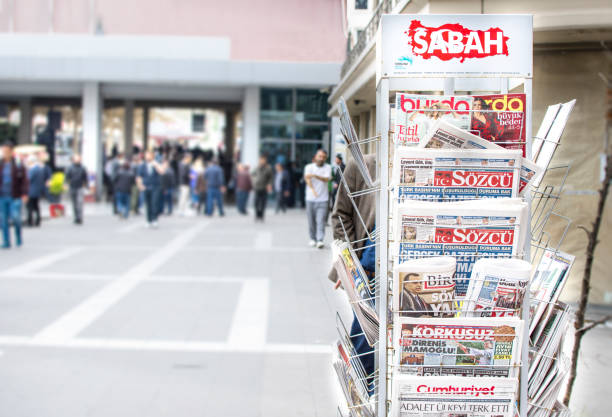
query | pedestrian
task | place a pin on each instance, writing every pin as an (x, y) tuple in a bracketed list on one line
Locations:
[(13, 193), (76, 177), (263, 176), (337, 175), (184, 181), (149, 182), (215, 188), (244, 185), (200, 192), (168, 183), (317, 176), (137, 196), (281, 187), (38, 177), (124, 183), (356, 216)]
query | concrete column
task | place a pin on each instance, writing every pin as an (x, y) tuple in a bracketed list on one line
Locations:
[(372, 132), (24, 135), (92, 137), (145, 128), (128, 128), (250, 126)]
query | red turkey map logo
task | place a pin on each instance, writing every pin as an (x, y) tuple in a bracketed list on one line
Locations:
[(453, 40)]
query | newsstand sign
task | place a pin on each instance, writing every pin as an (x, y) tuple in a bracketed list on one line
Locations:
[(455, 45)]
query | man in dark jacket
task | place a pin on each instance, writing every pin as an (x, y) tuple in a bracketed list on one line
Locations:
[(124, 181), (262, 184), (76, 177), (149, 181), (168, 183), (13, 193), (281, 188), (39, 176)]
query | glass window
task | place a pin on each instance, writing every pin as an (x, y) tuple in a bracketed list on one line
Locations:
[(304, 152), (310, 131), (197, 123), (279, 131), (361, 4), (311, 106), (277, 104), (276, 151)]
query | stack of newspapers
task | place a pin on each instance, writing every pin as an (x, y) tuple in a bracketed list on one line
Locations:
[(550, 321), (357, 288), (549, 367), (459, 229), (353, 380)]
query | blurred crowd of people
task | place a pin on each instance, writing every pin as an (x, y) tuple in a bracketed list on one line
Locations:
[(166, 181)]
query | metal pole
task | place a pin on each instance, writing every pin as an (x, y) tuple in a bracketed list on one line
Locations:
[(382, 223), (524, 396)]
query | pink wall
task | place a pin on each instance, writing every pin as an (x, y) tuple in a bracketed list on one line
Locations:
[(265, 30)]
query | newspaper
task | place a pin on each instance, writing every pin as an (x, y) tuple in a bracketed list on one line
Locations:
[(350, 136), (549, 134), (546, 348), (425, 287), (548, 281), (455, 174), (355, 282), (467, 230), (352, 384), (497, 288), (447, 396), (415, 114), (529, 172), (489, 347), (500, 118), (543, 400), (445, 136)]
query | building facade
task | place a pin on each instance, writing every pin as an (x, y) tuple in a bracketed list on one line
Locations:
[(253, 61)]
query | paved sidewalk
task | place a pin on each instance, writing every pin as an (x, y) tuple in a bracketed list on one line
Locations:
[(202, 317)]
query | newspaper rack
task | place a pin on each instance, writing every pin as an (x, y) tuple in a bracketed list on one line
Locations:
[(542, 199)]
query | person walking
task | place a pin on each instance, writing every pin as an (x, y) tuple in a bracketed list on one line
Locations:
[(244, 185), (13, 193), (38, 176), (262, 184), (215, 188), (149, 182), (76, 178), (184, 181), (337, 178), (168, 181), (281, 188), (124, 182), (317, 175)]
